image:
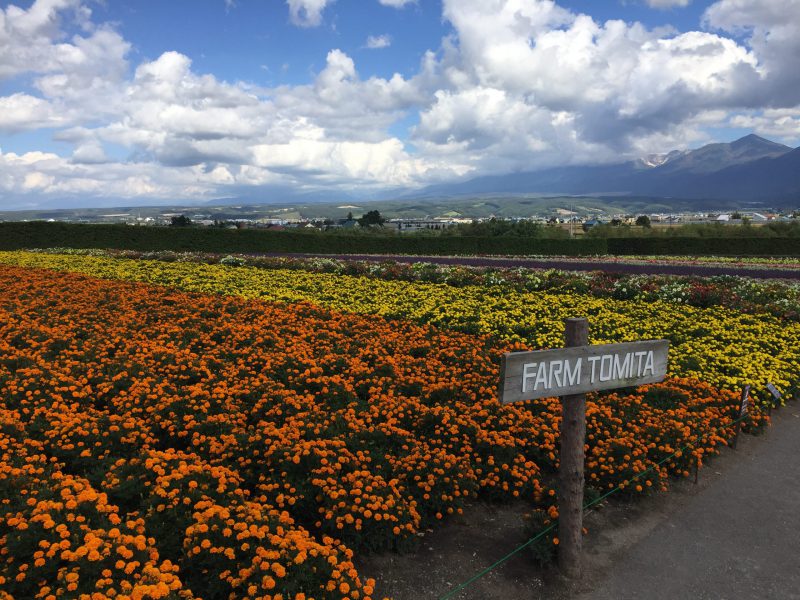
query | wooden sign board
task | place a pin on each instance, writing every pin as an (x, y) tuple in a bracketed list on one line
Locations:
[(567, 371)]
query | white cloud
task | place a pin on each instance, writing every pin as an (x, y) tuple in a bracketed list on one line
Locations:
[(32, 41), (306, 13), (752, 14), (26, 36), (77, 78), (375, 42), (531, 84), (397, 3), (47, 174), (489, 130), (781, 124), (562, 60), (667, 3), (20, 112), (181, 118), (330, 132), (344, 106), (36, 181), (90, 152), (699, 68), (773, 30), (383, 162)]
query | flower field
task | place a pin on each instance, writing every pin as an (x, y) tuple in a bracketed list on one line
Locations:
[(249, 433), (776, 297), (724, 347)]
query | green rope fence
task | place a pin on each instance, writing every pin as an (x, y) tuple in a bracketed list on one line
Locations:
[(586, 506)]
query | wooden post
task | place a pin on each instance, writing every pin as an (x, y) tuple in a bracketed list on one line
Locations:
[(575, 370), (573, 435)]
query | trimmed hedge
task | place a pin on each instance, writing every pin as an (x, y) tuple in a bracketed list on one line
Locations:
[(704, 246), (18, 235), (40, 234)]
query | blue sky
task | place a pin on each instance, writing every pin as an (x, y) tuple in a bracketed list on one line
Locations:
[(199, 100), (256, 42)]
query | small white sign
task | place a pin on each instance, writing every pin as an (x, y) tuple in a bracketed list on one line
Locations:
[(774, 391)]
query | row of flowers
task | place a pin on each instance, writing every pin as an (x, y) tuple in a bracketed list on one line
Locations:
[(770, 262), (762, 262), (776, 297), (163, 444), (724, 347)]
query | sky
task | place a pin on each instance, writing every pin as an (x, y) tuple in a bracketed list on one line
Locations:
[(105, 102)]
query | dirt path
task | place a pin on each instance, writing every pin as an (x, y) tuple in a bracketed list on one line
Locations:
[(736, 538), (733, 535), (571, 265)]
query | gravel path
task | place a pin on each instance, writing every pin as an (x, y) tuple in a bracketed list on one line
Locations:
[(571, 265), (737, 538)]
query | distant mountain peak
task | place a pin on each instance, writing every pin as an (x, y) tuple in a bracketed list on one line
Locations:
[(720, 155), (753, 140), (656, 160), (751, 137), (751, 168), (651, 160)]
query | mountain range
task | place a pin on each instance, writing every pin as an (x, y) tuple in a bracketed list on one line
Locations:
[(750, 169)]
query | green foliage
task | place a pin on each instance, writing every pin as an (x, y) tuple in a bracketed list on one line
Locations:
[(39, 234), (181, 221), (665, 398), (541, 528), (704, 246), (776, 229), (372, 217), (643, 221), (507, 228)]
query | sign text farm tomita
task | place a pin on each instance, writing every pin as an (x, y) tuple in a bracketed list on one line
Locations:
[(566, 371)]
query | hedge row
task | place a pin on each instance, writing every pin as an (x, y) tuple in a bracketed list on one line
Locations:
[(38, 234), (14, 236), (696, 246)]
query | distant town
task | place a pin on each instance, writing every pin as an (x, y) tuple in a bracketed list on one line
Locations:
[(576, 220)]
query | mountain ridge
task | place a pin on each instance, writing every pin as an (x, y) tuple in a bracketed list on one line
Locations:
[(749, 168)]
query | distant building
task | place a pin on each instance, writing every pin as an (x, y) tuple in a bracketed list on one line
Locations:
[(412, 225), (344, 224), (587, 225)]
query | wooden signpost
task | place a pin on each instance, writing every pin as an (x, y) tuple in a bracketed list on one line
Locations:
[(569, 373), (580, 369)]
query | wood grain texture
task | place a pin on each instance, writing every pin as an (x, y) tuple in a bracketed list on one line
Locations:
[(596, 372)]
